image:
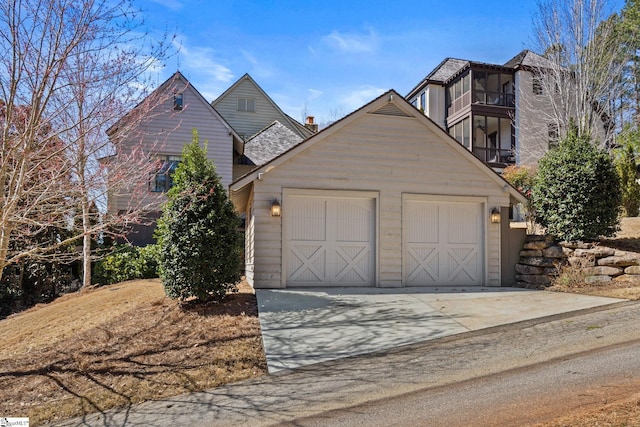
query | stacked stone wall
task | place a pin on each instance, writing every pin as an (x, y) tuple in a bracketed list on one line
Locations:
[(542, 258)]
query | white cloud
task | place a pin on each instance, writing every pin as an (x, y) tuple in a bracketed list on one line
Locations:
[(200, 60), (314, 94), (170, 4), (360, 96), (352, 42), (259, 69)]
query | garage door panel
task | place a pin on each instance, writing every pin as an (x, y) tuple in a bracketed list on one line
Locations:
[(463, 223), (443, 243), (423, 264), (346, 250), (423, 231), (307, 262), (309, 220), (353, 263), (353, 218), (464, 265)]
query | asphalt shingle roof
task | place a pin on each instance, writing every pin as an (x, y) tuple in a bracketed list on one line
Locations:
[(270, 142)]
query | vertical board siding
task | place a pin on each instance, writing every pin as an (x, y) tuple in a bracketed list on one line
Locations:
[(388, 155)]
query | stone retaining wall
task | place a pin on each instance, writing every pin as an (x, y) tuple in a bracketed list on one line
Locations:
[(542, 256)]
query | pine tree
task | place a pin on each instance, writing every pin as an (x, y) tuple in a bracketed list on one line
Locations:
[(198, 232), (627, 169)]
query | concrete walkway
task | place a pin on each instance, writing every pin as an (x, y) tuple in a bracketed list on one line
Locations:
[(306, 326)]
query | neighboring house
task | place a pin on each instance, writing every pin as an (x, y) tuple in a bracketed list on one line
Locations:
[(383, 197), (165, 124), (498, 112), (248, 109)]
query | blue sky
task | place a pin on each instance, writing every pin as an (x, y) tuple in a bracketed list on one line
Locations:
[(329, 58)]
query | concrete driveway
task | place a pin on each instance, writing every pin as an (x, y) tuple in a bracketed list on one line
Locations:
[(312, 325)]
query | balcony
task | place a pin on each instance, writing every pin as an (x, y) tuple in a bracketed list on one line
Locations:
[(499, 99), (495, 156)]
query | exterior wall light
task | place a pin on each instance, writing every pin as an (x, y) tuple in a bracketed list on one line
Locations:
[(495, 216), (276, 209)]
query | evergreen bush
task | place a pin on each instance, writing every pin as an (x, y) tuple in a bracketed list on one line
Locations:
[(576, 192), (200, 246), (127, 263)]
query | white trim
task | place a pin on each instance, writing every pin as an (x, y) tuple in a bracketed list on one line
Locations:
[(287, 193), (450, 199)]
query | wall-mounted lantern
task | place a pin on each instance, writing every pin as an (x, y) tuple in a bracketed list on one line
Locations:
[(276, 209), (495, 216)]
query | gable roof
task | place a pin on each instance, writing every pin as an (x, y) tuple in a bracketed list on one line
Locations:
[(450, 67), (443, 71), (292, 124), (528, 59), (389, 103), (270, 142), (177, 81)]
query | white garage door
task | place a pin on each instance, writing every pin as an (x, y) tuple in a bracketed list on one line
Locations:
[(329, 240), (443, 243)]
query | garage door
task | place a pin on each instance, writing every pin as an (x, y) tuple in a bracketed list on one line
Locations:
[(443, 242), (329, 240)]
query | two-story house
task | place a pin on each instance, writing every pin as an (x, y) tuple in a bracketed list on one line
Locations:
[(243, 116), (501, 113)]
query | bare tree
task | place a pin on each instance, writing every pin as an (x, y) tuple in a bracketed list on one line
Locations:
[(572, 84), (69, 69)]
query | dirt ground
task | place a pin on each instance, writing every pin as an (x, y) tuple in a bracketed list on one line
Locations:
[(122, 344)]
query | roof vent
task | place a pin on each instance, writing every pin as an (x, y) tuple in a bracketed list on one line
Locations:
[(391, 109)]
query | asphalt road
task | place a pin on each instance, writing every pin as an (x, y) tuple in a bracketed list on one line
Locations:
[(519, 397), (506, 371)]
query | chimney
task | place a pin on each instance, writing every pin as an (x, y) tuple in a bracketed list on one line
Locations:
[(309, 124)]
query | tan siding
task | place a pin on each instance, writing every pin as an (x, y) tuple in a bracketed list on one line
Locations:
[(389, 155), (249, 248), (166, 131)]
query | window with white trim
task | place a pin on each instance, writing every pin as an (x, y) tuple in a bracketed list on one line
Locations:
[(162, 180), (247, 104)]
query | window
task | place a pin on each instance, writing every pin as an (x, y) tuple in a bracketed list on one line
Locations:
[(423, 101), (177, 101), (247, 104), (537, 86), (162, 180), (461, 132), (554, 135)]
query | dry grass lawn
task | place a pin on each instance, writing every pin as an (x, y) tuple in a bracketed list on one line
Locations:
[(122, 344)]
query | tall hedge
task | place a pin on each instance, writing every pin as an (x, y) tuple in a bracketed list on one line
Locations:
[(576, 193), (200, 245)]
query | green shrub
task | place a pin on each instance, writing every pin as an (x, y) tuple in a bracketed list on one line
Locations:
[(198, 232), (626, 167), (127, 263), (576, 192)]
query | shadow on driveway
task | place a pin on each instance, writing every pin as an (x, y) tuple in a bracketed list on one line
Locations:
[(312, 325)]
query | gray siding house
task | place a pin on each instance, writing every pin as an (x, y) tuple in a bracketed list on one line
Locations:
[(171, 112)]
